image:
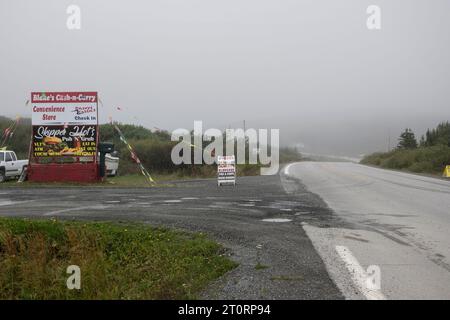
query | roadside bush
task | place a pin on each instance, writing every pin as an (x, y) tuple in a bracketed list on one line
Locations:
[(423, 159), (289, 155), (152, 147), (20, 140)]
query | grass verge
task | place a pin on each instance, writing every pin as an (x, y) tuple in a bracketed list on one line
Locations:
[(117, 261), (137, 180), (428, 160), (131, 180)]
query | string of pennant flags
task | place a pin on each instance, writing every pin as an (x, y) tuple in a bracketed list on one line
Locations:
[(134, 156), (122, 109), (9, 132)]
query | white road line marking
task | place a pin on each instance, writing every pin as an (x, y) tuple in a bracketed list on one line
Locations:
[(286, 169), (6, 203), (358, 274), (56, 212), (11, 203)]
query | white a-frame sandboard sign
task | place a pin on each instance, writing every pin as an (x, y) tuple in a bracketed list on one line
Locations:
[(226, 170)]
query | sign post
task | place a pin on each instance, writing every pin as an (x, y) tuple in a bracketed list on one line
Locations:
[(64, 143), (226, 170)]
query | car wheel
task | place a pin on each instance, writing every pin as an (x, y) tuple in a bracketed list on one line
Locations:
[(2, 176)]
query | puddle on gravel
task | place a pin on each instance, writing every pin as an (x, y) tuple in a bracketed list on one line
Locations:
[(302, 212), (277, 220), (246, 204)]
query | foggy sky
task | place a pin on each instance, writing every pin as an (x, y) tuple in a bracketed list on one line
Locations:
[(308, 67)]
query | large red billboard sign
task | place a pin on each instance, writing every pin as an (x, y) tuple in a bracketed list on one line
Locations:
[(64, 124), (64, 140)]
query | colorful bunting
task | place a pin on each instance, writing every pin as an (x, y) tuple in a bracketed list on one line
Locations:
[(134, 156), (9, 132)]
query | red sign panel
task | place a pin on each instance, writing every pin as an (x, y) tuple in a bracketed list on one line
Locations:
[(64, 144)]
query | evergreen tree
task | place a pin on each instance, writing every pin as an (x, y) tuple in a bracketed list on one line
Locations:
[(407, 140), (438, 136), (422, 142)]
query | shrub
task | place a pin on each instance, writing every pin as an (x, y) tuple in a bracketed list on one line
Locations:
[(423, 159)]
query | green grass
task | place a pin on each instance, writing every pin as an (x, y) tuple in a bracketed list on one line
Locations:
[(132, 180), (260, 266), (286, 278), (138, 180), (117, 261), (430, 160)]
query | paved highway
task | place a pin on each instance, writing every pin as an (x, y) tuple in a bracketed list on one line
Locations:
[(322, 230), (393, 221)]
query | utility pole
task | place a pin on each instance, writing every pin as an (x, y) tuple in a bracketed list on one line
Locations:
[(389, 139)]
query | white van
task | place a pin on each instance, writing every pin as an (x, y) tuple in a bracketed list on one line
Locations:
[(112, 165)]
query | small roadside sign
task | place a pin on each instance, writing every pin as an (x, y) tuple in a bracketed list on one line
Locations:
[(226, 170)]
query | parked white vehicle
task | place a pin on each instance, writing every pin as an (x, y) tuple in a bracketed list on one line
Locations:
[(10, 167), (112, 165)]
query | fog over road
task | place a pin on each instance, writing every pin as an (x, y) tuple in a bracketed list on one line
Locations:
[(397, 221)]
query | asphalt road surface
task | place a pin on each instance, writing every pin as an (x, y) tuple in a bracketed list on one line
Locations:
[(276, 259), (397, 222), (318, 230)]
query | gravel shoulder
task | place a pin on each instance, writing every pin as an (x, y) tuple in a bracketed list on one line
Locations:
[(276, 259)]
